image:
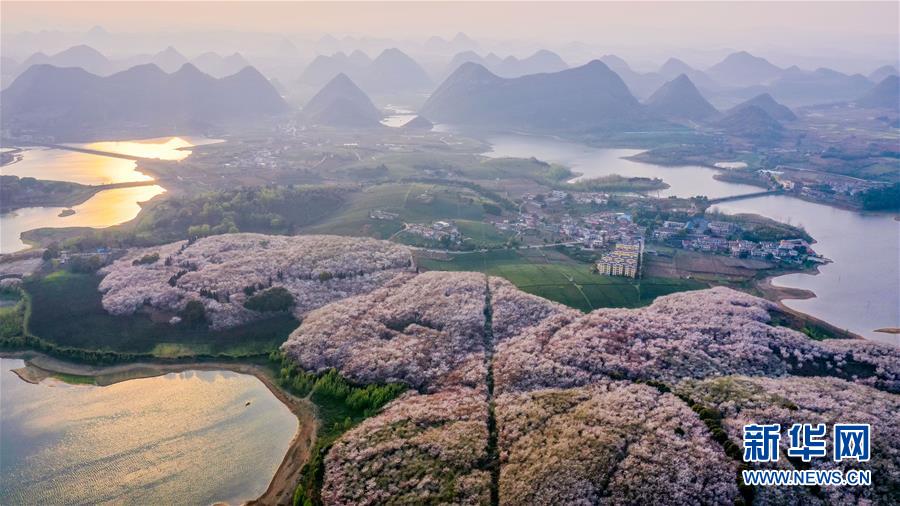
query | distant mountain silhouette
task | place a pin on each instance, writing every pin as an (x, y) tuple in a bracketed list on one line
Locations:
[(743, 69), (768, 104), (359, 59), (880, 73), (641, 85), (801, 87), (753, 123), (341, 103), (679, 99), (391, 72), (169, 59), (82, 56), (73, 103), (885, 95), (215, 65), (586, 98), (542, 61), (460, 42), (673, 67), (324, 68)]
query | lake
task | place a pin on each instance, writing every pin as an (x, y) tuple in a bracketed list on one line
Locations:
[(590, 162), (106, 208), (182, 438), (859, 291)]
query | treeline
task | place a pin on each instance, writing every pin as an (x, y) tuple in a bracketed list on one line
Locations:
[(886, 198), (615, 183), (341, 405), (16, 192), (504, 202), (266, 209)]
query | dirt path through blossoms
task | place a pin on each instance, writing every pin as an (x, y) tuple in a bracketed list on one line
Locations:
[(493, 452), (281, 487)]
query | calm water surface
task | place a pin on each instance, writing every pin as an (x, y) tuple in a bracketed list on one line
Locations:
[(859, 291), (185, 438), (106, 208), (684, 181)]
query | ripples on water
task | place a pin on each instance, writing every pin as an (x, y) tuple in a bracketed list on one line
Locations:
[(185, 438)]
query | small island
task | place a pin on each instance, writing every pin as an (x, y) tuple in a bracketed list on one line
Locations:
[(19, 192)]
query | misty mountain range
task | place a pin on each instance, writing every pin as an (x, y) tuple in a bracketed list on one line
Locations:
[(169, 60), (539, 92), (737, 77), (71, 103), (392, 71)]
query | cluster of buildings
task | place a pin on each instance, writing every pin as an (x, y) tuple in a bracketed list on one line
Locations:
[(592, 231), (623, 260), (712, 237), (792, 251), (557, 198), (437, 231), (378, 214)]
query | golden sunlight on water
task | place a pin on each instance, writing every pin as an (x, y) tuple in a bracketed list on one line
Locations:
[(62, 165), (164, 148), (186, 438), (106, 208)]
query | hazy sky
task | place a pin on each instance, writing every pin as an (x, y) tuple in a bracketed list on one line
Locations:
[(799, 27)]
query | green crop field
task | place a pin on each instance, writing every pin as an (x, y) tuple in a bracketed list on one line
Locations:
[(413, 203), (563, 280)]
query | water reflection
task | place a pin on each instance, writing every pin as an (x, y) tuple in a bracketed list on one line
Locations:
[(62, 165), (105, 209), (188, 438), (684, 181)]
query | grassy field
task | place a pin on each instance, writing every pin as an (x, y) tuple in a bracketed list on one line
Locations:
[(66, 311), (554, 276), (412, 202)]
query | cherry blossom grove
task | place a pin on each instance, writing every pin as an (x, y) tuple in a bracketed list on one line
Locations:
[(426, 331), (573, 423), (685, 335), (612, 442), (742, 400), (422, 449), (223, 270), (518, 397)]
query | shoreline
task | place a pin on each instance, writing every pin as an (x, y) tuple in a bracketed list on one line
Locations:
[(281, 486), (778, 294)]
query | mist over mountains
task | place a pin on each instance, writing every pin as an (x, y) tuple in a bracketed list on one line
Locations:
[(680, 99), (72, 103), (392, 71), (537, 92), (589, 97), (340, 103)]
